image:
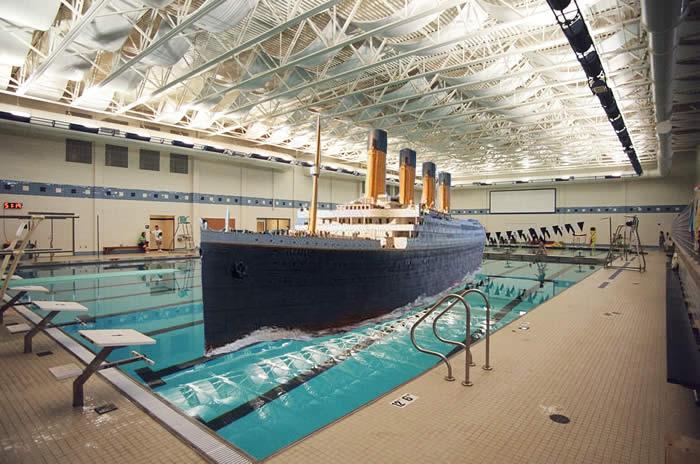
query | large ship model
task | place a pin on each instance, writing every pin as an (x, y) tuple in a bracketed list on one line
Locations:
[(339, 267)]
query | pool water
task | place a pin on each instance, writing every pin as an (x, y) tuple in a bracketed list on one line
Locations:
[(276, 386)]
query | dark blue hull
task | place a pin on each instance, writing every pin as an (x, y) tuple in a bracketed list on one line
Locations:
[(247, 287)]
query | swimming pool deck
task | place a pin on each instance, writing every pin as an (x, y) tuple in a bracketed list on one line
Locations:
[(580, 358), (606, 373)]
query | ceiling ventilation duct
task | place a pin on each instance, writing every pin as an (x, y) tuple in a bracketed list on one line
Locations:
[(569, 17), (331, 35), (34, 14), (170, 52), (469, 19), (413, 8), (663, 20), (225, 16)]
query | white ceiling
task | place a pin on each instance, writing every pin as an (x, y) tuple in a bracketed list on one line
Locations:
[(481, 87)]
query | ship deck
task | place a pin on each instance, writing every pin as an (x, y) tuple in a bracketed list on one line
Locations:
[(594, 353)]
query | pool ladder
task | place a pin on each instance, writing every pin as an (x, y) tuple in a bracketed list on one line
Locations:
[(468, 361)]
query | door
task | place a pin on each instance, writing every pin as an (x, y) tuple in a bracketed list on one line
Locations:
[(167, 225), (218, 223)]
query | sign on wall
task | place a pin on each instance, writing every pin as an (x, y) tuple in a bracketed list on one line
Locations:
[(12, 205), (523, 201)]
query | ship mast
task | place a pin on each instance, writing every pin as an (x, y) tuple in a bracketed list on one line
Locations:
[(315, 173)]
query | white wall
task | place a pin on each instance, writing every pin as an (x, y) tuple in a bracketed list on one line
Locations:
[(676, 189), (30, 157)]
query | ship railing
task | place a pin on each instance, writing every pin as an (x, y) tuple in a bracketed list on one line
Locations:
[(454, 299)]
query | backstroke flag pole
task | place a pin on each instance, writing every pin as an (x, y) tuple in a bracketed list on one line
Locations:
[(316, 170)]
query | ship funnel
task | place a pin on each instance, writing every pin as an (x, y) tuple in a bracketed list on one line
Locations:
[(445, 181), (407, 175), (376, 165), (428, 197)]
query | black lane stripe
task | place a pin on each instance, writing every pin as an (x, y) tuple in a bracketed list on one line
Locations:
[(127, 295), (91, 319), (511, 270), (616, 273), (85, 289), (173, 328), (154, 378), (518, 278), (272, 394), (503, 312)]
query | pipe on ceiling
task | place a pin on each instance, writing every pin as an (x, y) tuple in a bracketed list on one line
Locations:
[(662, 21)]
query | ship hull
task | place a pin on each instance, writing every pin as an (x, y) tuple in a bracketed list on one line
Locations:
[(247, 286)]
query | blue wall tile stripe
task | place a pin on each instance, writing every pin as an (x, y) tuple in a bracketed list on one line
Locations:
[(594, 210), (18, 187)]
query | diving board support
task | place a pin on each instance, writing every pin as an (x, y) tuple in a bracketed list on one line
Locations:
[(53, 308), (108, 340), (21, 291), (10, 304)]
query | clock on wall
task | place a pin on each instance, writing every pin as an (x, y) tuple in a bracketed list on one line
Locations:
[(12, 205)]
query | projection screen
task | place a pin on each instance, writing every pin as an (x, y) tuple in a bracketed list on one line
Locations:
[(523, 201)]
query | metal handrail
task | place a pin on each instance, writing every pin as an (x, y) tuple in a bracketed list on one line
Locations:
[(452, 342), (452, 296), (487, 366)]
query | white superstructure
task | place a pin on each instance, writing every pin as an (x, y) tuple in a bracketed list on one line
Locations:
[(393, 225)]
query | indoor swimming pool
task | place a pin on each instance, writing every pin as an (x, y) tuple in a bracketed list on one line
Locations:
[(274, 387)]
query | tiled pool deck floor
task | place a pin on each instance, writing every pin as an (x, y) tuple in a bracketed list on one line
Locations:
[(606, 372)]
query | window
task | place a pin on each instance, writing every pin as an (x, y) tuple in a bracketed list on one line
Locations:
[(179, 164), (116, 156), (149, 160), (78, 151)]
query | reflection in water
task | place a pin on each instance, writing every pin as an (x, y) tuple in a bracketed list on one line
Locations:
[(541, 272)]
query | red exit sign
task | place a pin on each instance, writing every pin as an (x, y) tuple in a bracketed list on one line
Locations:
[(12, 205)]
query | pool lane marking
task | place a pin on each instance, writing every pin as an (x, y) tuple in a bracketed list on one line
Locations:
[(98, 276), (91, 319), (518, 299), (616, 273), (272, 394), (173, 328), (155, 378), (512, 269), (127, 295), (508, 307), (83, 289)]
